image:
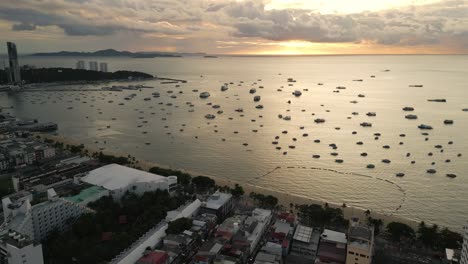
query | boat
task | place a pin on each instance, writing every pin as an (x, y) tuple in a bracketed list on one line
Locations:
[(204, 95), (147, 99), (426, 127), (361, 95), (451, 175), (259, 106), (224, 88), (340, 87), (291, 80), (371, 114), (437, 100), (297, 93), (316, 156), (386, 161), (408, 108), (400, 174), (287, 118), (431, 171), (319, 120), (416, 85), (370, 166), (240, 110), (448, 122), (253, 90), (210, 116), (257, 98), (339, 161), (366, 124), (411, 117)]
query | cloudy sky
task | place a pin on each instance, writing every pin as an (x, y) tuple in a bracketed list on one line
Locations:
[(238, 26)]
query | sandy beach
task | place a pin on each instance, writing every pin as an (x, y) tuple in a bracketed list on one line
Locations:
[(284, 199)]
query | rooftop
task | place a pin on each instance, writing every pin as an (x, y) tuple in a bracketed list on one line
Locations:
[(86, 194), (360, 232), (154, 257), (333, 236), (114, 177), (217, 200), (303, 234)]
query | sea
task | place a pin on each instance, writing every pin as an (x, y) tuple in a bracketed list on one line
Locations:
[(281, 146)]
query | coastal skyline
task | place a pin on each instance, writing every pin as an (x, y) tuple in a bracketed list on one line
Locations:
[(265, 27)]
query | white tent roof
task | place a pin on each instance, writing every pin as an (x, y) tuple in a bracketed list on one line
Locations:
[(114, 177)]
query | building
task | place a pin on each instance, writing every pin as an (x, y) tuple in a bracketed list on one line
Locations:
[(464, 253), (154, 257), (103, 66), (265, 258), (220, 204), (360, 246), (332, 247), (120, 179), (39, 220), (188, 210), (80, 65), (14, 68), (305, 242), (18, 249), (93, 66)]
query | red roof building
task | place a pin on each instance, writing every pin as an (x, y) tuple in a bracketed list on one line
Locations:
[(154, 257)]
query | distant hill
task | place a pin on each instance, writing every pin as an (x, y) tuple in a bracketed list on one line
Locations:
[(116, 53)]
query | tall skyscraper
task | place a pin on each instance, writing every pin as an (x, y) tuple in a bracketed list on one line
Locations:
[(14, 70), (93, 66), (80, 65), (103, 66), (464, 253)]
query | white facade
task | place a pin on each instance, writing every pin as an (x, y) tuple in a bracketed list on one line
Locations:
[(16, 249), (80, 65), (464, 252), (136, 250), (120, 179), (103, 66), (93, 66), (187, 211), (39, 220)]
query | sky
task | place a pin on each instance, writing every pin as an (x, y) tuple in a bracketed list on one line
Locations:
[(289, 27)]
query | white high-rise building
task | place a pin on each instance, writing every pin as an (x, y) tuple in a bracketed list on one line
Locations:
[(16, 248), (103, 66), (93, 66), (39, 220), (464, 252), (80, 65)]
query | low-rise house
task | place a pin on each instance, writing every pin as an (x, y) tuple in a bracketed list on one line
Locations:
[(332, 247), (305, 242), (220, 204)]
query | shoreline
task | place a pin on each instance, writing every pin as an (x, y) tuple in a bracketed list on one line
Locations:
[(284, 199)]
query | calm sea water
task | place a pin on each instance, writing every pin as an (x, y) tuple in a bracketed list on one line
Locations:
[(228, 147)]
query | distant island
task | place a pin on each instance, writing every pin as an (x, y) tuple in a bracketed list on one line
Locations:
[(47, 75), (115, 53)]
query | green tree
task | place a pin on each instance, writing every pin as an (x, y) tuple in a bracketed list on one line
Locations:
[(399, 231), (237, 191), (178, 226)]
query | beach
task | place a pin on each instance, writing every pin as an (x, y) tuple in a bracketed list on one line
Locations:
[(284, 199)]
